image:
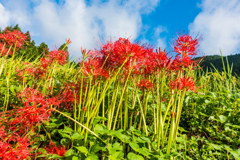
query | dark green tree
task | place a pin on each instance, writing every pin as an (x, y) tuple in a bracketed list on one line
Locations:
[(66, 49)]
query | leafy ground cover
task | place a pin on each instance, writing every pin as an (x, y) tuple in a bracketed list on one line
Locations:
[(121, 101)]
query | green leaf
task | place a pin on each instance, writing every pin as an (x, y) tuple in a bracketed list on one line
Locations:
[(77, 136), (145, 152), (132, 156), (67, 129), (30, 83), (117, 146), (69, 153), (134, 146), (12, 89), (65, 141), (122, 137), (182, 129), (92, 157), (82, 149), (99, 128), (98, 119), (237, 95), (143, 140), (116, 156), (181, 140), (234, 153), (215, 146), (95, 148), (135, 131), (63, 134), (223, 118), (75, 158), (55, 156)]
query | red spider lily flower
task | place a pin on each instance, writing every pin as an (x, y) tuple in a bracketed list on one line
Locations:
[(14, 37), (59, 55), (69, 94), (66, 97), (94, 67), (45, 62), (36, 109), (156, 61), (115, 53), (15, 148), (144, 83), (183, 83), (87, 54), (84, 109), (53, 149), (186, 47), (68, 41), (4, 51)]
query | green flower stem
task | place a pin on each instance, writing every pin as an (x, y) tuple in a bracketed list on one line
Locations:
[(144, 120), (8, 76), (112, 107), (140, 123), (154, 112), (179, 110), (126, 108), (173, 122), (119, 107), (81, 125), (160, 122), (133, 103)]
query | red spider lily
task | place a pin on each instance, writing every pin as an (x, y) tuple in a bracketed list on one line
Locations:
[(53, 149), (68, 41), (69, 94), (94, 67), (115, 53), (144, 83), (185, 47), (12, 38), (66, 97), (4, 51), (15, 147), (36, 109), (45, 62), (156, 61), (59, 55), (84, 109), (183, 83)]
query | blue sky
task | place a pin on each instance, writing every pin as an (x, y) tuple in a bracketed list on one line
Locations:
[(151, 21)]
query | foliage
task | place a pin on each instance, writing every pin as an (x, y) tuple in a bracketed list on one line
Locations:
[(216, 61), (124, 101)]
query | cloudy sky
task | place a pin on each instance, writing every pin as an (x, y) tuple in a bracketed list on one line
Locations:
[(151, 21)]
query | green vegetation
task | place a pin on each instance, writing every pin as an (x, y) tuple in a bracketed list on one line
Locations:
[(216, 61), (124, 101)]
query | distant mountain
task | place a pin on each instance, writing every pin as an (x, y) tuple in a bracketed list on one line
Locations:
[(216, 61)]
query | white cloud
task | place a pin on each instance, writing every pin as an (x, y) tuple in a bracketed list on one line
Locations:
[(218, 23), (161, 42), (4, 14), (52, 23), (159, 30)]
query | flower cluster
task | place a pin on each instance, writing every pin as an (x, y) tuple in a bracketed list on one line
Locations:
[(10, 39), (22, 120), (186, 48), (183, 83), (140, 58), (53, 149), (144, 83), (14, 147)]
